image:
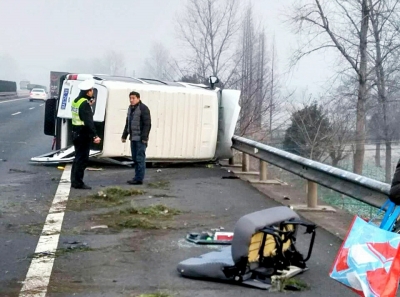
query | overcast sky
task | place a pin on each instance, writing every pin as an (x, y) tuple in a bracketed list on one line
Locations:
[(41, 35)]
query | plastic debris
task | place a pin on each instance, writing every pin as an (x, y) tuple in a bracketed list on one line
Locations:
[(94, 169), (99, 227)]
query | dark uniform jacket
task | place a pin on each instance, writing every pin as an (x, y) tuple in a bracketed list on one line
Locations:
[(86, 115)]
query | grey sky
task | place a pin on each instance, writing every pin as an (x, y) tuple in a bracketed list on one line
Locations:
[(41, 35)]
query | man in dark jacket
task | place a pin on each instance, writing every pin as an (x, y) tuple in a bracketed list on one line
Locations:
[(138, 125), (83, 132)]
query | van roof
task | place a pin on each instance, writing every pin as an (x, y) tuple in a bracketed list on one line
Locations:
[(152, 81)]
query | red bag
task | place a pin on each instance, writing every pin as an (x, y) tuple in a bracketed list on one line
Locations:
[(368, 262)]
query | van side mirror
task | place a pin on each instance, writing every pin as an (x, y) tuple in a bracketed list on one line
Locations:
[(213, 80)]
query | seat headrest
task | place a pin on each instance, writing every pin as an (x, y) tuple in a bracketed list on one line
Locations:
[(251, 223)]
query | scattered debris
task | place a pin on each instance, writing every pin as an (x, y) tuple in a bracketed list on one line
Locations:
[(158, 294), (21, 171), (3, 160), (33, 229), (163, 196), (72, 242), (159, 184), (99, 227), (94, 169), (60, 167), (78, 248), (293, 284), (41, 255), (133, 223), (153, 210), (286, 198), (230, 177), (149, 217), (217, 229), (159, 170), (107, 198)]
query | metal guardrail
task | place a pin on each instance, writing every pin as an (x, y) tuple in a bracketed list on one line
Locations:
[(5, 94), (359, 187)]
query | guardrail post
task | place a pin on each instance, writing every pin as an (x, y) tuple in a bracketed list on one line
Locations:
[(263, 170), (245, 162), (312, 197)]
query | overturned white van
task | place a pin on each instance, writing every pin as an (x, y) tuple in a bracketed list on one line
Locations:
[(190, 122)]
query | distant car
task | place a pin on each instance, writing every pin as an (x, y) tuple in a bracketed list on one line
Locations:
[(38, 94)]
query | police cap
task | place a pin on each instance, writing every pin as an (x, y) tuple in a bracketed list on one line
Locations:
[(86, 85)]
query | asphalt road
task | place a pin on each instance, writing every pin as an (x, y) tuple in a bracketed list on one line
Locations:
[(26, 191), (123, 262), (133, 262)]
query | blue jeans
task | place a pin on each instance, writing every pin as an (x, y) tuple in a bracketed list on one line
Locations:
[(138, 149)]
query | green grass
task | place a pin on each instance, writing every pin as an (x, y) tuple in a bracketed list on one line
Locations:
[(110, 197)]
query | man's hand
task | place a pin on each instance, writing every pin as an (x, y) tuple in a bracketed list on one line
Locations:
[(144, 141), (123, 140), (97, 140)]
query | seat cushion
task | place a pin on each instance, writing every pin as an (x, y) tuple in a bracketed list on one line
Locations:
[(251, 223), (209, 265)]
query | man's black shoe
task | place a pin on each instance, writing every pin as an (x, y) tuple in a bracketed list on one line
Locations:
[(82, 187), (135, 182)]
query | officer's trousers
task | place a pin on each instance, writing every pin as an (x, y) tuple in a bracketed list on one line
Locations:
[(82, 149)]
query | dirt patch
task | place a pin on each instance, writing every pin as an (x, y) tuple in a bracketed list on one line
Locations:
[(110, 197), (161, 184), (32, 229), (65, 251), (148, 217), (163, 196), (152, 210)]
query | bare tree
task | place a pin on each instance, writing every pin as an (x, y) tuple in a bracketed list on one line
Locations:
[(159, 64), (256, 77), (342, 120), (115, 63), (207, 28), (343, 26), (385, 30)]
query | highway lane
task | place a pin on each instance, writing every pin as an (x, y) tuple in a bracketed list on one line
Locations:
[(26, 191)]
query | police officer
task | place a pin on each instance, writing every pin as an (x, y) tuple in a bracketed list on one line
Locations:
[(83, 132)]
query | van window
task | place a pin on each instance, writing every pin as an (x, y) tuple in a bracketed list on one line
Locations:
[(95, 91)]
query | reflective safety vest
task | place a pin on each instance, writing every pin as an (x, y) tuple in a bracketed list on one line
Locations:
[(76, 120)]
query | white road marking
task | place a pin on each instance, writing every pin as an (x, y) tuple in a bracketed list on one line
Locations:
[(13, 100), (38, 276), (16, 113), (32, 108)]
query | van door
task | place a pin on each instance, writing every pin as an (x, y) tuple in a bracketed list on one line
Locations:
[(69, 93), (229, 110)]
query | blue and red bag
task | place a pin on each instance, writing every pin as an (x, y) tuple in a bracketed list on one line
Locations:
[(368, 262)]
